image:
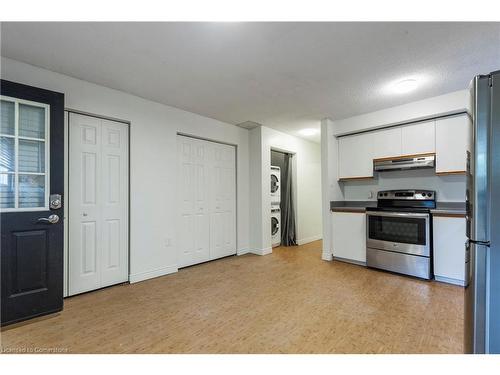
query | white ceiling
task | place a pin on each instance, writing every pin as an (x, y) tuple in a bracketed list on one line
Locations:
[(286, 76)]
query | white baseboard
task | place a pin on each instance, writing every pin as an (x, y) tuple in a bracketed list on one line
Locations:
[(242, 251), (449, 280), (345, 260), (327, 256), (135, 278), (303, 241), (267, 250)]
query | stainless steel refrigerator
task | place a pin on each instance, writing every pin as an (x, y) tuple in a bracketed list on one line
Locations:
[(482, 292)]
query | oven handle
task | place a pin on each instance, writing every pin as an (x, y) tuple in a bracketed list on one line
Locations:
[(397, 214)]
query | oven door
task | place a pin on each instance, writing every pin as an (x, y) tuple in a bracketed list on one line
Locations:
[(402, 232)]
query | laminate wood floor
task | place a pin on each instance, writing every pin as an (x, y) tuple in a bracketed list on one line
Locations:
[(287, 302)]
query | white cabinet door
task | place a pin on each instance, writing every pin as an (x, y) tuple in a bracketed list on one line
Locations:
[(98, 203), (207, 210), (418, 138), (449, 249), (453, 140), (386, 143), (355, 156), (349, 236)]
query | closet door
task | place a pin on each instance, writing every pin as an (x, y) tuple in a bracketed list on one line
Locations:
[(223, 217), (193, 190), (114, 208), (98, 203), (84, 204), (207, 191)]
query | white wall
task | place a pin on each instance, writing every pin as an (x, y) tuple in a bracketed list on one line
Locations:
[(331, 189), (153, 200), (307, 164), (256, 196), (449, 188)]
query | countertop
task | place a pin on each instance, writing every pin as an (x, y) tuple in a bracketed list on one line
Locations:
[(442, 208)]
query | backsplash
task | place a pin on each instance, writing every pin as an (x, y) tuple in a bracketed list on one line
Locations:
[(449, 188)]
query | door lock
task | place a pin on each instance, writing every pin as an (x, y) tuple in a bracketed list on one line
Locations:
[(55, 201)]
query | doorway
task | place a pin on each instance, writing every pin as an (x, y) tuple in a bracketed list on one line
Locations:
[(283, 162)]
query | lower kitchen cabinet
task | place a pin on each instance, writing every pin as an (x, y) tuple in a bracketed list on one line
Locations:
[(349, 236), (449, 249)]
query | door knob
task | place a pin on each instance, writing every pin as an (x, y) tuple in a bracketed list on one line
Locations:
[(52, 219)]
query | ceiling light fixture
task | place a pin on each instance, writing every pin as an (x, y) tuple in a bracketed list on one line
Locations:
[(405, 86), (308, 132)]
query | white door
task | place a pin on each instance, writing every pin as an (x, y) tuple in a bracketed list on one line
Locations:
[(98, 203), (223, 218), (194, 218), (207, 211)]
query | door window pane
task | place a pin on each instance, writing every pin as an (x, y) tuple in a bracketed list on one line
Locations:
[(23, 155), (7, 190), (31, 191), (31, 156), (7, 154), (31, 121), (7, 114)]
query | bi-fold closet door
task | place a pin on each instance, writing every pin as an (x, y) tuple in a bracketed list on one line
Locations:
[(98, 203), (207, 206)]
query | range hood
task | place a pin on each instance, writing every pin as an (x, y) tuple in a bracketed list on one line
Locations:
[(403, 163)]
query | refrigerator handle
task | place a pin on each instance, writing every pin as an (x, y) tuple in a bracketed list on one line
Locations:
[(482, 243)]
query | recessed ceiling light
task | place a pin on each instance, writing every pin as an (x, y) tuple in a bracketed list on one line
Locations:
[(404, 86), (308, 132)]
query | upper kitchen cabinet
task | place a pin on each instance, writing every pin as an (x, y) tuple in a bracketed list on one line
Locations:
[(386, 143), (418, 138), (356, 156), (453, 140)]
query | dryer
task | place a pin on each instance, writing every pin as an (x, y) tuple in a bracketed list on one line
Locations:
[(275, 184), (275, 225)]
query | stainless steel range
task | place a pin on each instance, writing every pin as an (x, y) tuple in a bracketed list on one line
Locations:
[(399, 232)]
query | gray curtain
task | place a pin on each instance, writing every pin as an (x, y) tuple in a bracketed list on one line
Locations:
[(288, 236)]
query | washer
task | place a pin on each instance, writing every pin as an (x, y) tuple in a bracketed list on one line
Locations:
[(275, 184), (275, 225)]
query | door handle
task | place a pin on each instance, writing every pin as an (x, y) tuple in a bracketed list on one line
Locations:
[(52, 219)]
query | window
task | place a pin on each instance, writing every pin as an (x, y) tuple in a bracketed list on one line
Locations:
[(24, 155)]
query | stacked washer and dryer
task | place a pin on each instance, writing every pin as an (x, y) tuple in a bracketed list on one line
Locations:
[(275, 206)]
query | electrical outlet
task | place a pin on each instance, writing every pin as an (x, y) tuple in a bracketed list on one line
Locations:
[(168, 242), (370, 194)]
